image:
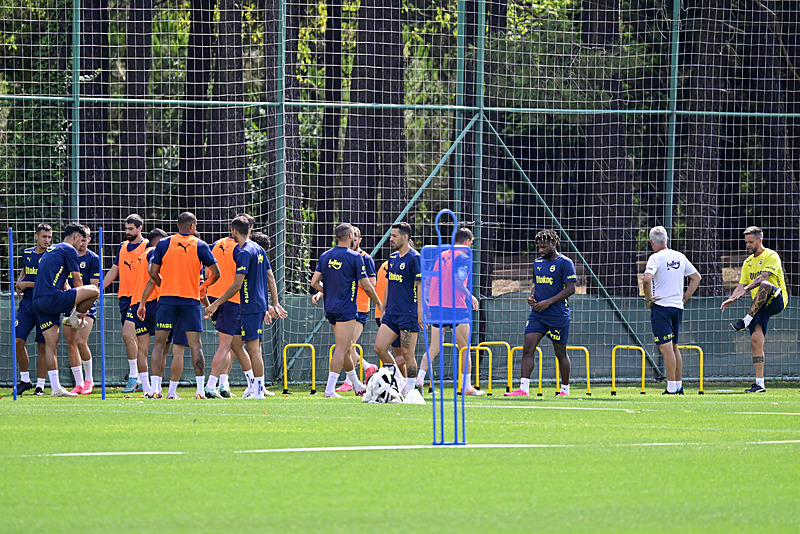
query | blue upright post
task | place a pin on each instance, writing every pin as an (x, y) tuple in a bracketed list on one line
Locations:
[(101, 314), (13, 311), (434, 259)]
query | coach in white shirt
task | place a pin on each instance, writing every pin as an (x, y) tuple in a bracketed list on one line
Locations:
[(665, 296)]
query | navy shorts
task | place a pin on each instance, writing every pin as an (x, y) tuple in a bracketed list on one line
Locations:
[(124, 304), (666, 323), (775, 304), (183, 317), (25, 322), (148, 326), (401, 323), (178, 337), (362, 317), (334, 318), (226, 319), (49, 308), (556, 328), (252, 325), (448, 316), (396, 342)]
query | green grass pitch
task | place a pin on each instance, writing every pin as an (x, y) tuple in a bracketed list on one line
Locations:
[(722, 462)]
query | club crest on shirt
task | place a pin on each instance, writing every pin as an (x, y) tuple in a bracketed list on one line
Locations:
[(402, 265), (552, 268), (83, 265)]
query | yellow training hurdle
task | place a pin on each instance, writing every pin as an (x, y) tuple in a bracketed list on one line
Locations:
[(698, 349), (509, 351), (558, 378), (360, 357), (511, 365), (313, 365), (614, 366)]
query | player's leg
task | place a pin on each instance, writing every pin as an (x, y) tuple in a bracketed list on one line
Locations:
[(41, 366), (85, 297), (238, 349), (22, 328), (462, 340), (764, 295), (757, 346), (176, 366), (531, 341), (430, 356), (132, 350), (198, 361), (564, 366), (383, 340), (678, 368), (408, 340), (219, 364), (74, 358), (51, 343), (343, 336), (158, 360), (353, 356)]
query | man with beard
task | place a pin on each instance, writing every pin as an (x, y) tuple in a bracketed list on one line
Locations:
[(124, 263)]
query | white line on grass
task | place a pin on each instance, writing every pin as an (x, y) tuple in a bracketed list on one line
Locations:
[(410, 447), (767, 413), (628, 410), (103, 453)]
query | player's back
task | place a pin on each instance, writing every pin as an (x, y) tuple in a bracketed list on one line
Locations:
[(55, 266), (454, 268), (223, 252), (341, 269), (181, 258), (251, 260), (669, 267), (362, 299)]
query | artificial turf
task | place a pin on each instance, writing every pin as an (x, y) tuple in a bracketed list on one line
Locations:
[(721, 462)]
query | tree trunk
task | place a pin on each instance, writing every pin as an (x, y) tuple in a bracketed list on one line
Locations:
[(133, 127), (781, 224), (609, 206), (704, 90), (225, 193), (193, 163), (95, 181)]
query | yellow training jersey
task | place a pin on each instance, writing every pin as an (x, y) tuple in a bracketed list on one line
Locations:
[(770, 262)]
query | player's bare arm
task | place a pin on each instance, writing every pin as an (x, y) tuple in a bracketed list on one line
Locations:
[(532, 297), (273, 294), (738, 292), (141, 312), (111, 275), (215, 274), (316, 281), (564, 294), (647, 287), (694, 283)]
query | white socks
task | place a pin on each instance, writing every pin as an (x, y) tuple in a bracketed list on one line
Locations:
[(760, 382), (25, 377), (40, 383), (330, 387), (87, 370), (671, 387), (354, 381), (53, 376), (212, 382), (525, 385), (565, 389), (747, 320), (143, 377), (421, 376), (173, 388), (200, 383), (134, 369), (223, 382), (77, 373), (155, 383)]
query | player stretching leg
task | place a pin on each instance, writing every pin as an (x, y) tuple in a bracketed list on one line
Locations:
[(124, 263), (403, 315), (448, 267), (176, 269), (80, 356), (339, 271), (664, 295), (50, 300), (26, 316), (554, 283), (762, 275)]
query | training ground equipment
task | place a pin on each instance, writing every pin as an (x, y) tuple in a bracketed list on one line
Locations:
[(640, 349), (558, 377), (313, 367), (360, 358), (434, 261), (383, 387)]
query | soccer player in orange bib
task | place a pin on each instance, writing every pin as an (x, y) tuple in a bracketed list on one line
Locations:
[(124, 262), (175, 269)]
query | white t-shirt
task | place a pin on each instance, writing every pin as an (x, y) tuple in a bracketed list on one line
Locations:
[(669, 268)]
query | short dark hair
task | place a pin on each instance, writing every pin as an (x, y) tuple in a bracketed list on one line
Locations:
[(261, 240), (754, 231), (156, 233), (134, 219), (548, 236), (74, 228), (463, 235), (42, 227), (343, 230), (241, 224), (87, 230), (186, 218), (250, 219), (404, 228)]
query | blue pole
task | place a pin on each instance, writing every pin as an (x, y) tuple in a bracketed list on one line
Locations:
[(101, 312), (13, 311)]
